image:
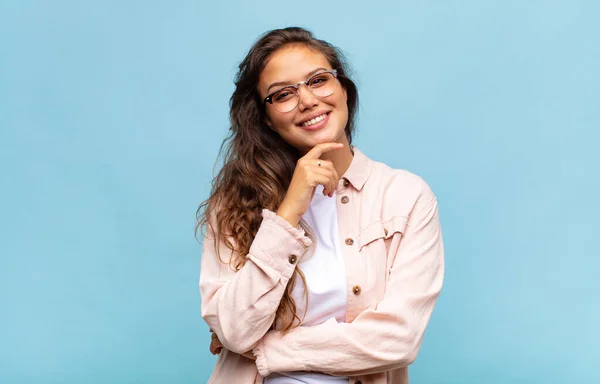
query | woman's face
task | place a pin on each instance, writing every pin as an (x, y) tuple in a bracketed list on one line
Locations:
[(289, 66)]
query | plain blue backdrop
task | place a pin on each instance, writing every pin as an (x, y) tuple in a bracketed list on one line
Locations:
[(111, 116)]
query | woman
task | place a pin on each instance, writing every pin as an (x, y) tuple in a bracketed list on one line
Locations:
[(319, 265)]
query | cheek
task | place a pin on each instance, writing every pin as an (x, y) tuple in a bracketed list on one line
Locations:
[(280, 122), (341, 104), (342, 111), (338, 100)]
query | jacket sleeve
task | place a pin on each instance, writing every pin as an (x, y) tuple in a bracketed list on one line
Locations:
[(381, 339), (240, 306)]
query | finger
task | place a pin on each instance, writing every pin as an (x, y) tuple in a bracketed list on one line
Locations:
[(326, 164), (322, 148), (336, 180), (323, 179), (328, 174), (214, 346)]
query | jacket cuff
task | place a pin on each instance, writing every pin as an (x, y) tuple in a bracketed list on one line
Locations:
[(297, 232), (261, 359), (278, 353), (278, 244)]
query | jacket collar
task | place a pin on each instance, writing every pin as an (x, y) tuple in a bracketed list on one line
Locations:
[(359, 170)]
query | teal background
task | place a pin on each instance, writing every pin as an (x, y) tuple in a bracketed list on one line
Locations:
[(111, 115)]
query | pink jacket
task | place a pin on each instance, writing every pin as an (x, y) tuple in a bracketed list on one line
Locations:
[(392, 240)]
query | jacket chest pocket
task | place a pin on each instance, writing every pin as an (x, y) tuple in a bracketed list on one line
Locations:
[(374, 243), (381, 230)]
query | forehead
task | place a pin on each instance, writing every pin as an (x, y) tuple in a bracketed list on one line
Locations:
[(291, 64)]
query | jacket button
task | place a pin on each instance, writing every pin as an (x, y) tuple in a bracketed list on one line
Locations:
[(345, 199), (292, 259), (346, 182), (349, 241), (356, 289)]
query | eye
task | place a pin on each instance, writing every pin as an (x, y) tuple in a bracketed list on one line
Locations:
[(319, 80), (283, 95)]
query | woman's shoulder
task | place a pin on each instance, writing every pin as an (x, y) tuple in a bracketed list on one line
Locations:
[(399, 181)]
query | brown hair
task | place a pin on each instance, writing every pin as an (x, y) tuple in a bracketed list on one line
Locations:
[(258, 164)]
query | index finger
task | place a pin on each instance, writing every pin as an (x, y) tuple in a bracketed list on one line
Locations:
[(321, 148)]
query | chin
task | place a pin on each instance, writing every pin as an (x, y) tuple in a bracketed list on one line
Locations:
[(327, 138)]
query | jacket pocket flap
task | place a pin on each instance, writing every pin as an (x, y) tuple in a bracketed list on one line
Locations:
[(381, 229), (370, 233), (395, 224)]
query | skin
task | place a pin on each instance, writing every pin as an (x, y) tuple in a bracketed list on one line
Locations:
[(291, 65)]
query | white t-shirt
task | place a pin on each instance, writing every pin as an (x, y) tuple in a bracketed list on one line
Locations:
[(325, 275)]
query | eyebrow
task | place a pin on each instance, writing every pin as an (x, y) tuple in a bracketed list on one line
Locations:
[(283, 83)]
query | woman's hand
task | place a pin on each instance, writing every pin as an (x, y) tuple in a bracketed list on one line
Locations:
[(215, 344), (216, 347), (307, 175)]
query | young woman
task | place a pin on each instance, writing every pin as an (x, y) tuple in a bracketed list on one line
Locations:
[(319, 264)]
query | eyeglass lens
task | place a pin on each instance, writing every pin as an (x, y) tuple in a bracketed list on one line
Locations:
[(321, 85)]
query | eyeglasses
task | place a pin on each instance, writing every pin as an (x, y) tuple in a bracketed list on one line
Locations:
[(286, 99)]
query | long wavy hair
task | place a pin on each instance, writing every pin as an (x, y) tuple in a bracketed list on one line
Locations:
[(257, 163)]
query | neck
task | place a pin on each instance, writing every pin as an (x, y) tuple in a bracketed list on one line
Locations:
[(341, 158)]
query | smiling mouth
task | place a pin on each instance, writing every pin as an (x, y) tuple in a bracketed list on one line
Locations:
[(315, 120)]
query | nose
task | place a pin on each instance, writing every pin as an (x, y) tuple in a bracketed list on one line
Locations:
[(306, 98)]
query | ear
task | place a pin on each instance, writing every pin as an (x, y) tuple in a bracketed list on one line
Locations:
[(345, 93)]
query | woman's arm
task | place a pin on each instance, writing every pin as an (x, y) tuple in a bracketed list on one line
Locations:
[(216, 347), (240, 306), (380, 339)]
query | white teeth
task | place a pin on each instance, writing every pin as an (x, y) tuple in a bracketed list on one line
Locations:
[(315, 120)]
